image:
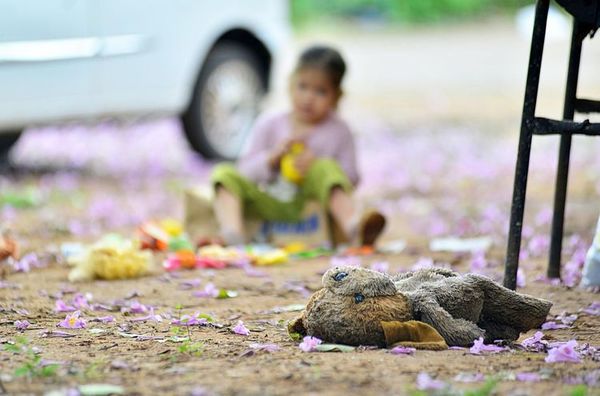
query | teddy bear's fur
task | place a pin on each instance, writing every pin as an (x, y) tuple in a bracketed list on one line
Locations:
[(354, 301)]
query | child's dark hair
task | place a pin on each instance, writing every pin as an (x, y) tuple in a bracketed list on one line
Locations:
[(325, 58)]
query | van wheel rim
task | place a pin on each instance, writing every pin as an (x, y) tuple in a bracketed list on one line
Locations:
[(229, 106)]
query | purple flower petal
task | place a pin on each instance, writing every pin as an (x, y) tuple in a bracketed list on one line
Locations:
[(72, 321), (521, 280), (380, 266), (478, 262), (254, 273), (56, 333), (535, 343), (190, 320), (425, 382), (135, 307), (528, 377), (567, 319), (400, 350), (241, 329), (190, 284), (564, 353), (342, 261), (309, 344), (151, 317), (479, 346), (593, 309), (61, 306), (22, 324), (423, 263), (210, 291), (80, 301), (553, 326)]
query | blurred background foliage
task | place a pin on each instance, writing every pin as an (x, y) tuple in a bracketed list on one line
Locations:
[(398, 12)]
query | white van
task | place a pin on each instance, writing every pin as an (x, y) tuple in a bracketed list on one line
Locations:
[(206, 61)]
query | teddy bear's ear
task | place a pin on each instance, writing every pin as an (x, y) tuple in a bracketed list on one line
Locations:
[(413, 334), (296, 326)]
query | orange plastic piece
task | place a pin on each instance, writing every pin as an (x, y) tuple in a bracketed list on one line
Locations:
[(153, 237)]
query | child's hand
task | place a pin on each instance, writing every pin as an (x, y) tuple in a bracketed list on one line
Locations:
[(281, 150), (304, 160)]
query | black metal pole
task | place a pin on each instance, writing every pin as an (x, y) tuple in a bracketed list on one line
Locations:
[(564, 153), (522, 167)]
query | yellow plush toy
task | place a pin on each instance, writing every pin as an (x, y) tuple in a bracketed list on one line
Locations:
[(112, 257), (288, 167)]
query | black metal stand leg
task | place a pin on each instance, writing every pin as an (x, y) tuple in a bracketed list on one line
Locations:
[(564, 154), (522, 167)]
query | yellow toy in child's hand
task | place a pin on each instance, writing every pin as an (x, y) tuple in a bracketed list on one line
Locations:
[(112, 257), (288, 166)]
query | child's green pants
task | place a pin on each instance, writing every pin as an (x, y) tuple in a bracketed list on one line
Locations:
[(322, 176)]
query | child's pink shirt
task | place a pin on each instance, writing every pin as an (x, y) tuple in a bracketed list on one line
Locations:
[(330, 139)]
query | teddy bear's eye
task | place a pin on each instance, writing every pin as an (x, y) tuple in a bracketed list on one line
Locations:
[(339, 276), (358, 298)]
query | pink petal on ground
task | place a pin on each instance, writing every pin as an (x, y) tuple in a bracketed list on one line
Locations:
[(72, 321), (521, 280), (553, 326), (400, 350), (61, 306), (240, 329), (528, 377), (380, 266), (209, 291), (535, 342), (190, 320), (425, 382), (479, 346), (80, 301), (190, 284), (253, 272), (422, 263), (567, 319), (342, 261), (22, 324), (135, 307), (478, 262), (593, 309), (56, 333), (309, 344), (564, 353), (150, 317)]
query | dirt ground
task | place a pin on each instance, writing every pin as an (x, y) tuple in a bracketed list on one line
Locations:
[(449, 176), (225, 365)]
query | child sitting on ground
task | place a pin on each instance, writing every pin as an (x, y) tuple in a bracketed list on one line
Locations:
[(271, 184)]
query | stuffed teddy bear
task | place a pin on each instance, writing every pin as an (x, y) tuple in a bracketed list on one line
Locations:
[(425, 309)]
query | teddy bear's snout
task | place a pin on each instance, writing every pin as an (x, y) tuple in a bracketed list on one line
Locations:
[(338, 277)]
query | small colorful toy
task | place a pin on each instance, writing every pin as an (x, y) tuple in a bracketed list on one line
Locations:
[(172, 227), (180, 242), (8, 248), (288, 167), (112, 257), (425, 309), (210, 256), (295, 248), (264, 255), (226, 255), (153, 237)]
